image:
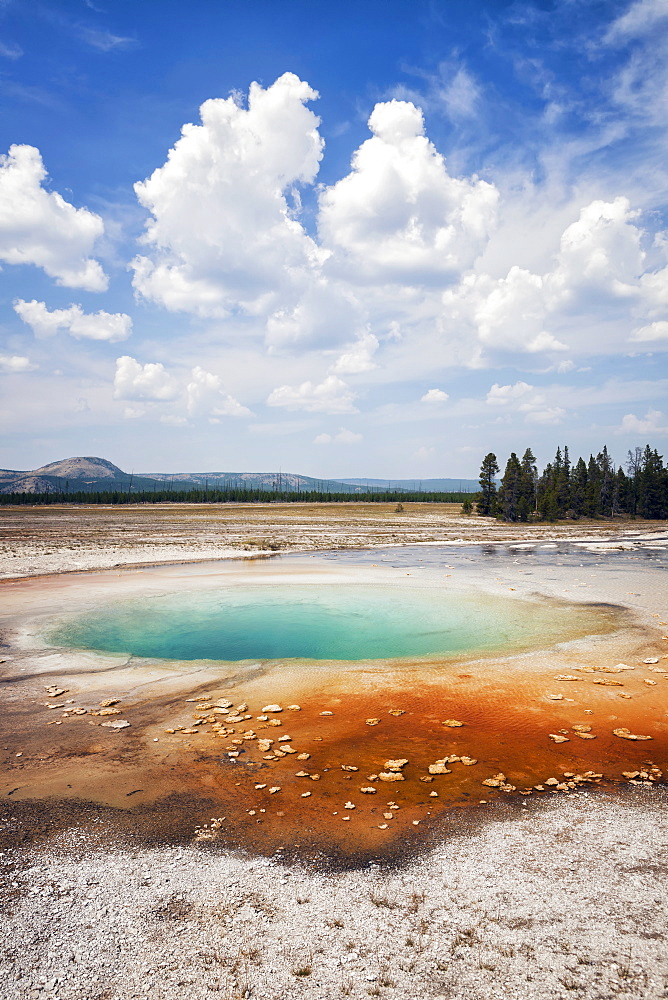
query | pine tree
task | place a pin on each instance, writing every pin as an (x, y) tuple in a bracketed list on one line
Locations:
[(510, 492), (578, 488), (487, 498), (526, 505)]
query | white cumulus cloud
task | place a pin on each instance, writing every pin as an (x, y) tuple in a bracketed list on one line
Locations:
[(650, 424), (595, 290), (434, 396), (344, 436), (358, 357), (223, 235), (527, 400), (89, 326), (205, 396), (134, 381), (16, 363), (398, 216), (332, 395), (39, 227)]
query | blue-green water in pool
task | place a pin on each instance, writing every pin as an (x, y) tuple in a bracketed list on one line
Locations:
[(330, 622)]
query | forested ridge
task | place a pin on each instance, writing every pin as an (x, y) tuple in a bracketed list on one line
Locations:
[(573, 490)]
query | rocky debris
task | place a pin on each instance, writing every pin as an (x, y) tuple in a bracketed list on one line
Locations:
[(120, 724), (452, 723), (107, 711), (349, 767), (395, 765), (274, 789), (495, 781), (274, 722), (349, 805), (55, 692), (368, 790), (264, 745), (306, 795), (108, 702), (372, 722), (396, 711), (567, 677), (303, 756), (558, 738), (556, 697), (326, 713), (467, 761), (223, 703), (651, 659), (499, 781), (649, 683), (626, 734), (272, 708), (294, 708), (439, 768), (608, 682), (390, 776)]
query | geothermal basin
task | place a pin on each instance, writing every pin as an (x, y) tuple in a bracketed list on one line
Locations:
[(346, 705)]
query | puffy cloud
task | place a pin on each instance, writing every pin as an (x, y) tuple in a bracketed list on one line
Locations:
[(325, 315), (134, 381), (651, 424), (526, 399), (39, 227), (597, 276), (222, 234), (653, 331), (205, 396), (358, 357), (89, 326), (344, 436), (398, 216), (332, 395), (434, 396), (598, 253), (16, 363)]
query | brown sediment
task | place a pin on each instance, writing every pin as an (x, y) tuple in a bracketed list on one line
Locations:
[(190, 778), (149, 783)]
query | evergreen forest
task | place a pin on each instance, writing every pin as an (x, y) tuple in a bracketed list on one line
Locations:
[(572, 490)]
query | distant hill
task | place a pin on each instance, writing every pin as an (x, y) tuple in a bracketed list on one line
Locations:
[(421, 485), (91, 475)]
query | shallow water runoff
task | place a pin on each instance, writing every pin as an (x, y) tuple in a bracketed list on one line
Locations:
[(320, 622)]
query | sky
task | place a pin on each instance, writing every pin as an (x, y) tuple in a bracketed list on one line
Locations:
[(378, 238)]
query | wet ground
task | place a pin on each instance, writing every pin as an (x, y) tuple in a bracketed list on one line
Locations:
[(385, 767)]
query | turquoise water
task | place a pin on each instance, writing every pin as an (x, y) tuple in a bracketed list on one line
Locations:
[(331, 622)]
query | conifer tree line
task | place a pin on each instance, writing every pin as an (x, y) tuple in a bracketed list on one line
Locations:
[(567, 490)]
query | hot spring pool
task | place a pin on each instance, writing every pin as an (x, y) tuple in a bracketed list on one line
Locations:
[(322, 622)]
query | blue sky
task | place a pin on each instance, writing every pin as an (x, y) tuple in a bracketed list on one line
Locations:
[(371, 238)]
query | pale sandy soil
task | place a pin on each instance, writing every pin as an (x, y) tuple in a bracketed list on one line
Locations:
[(562, 896), (556, 899), (40, 540)]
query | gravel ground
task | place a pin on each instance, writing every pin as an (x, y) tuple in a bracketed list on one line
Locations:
[(558, 898), (39, 540)]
